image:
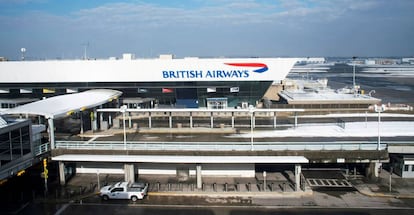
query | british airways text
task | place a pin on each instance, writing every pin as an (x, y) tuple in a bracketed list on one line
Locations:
[(199, 74)]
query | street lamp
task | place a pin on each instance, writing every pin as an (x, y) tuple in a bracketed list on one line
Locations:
[(123, 110), (251, 111), (379, 109), (353, 76)]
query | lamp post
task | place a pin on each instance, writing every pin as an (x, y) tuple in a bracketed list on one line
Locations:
[(251, 111), (379, 109), (123, 110), (353, 73)]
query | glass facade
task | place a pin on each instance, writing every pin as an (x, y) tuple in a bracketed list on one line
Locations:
[(14, 141), (170, 94)]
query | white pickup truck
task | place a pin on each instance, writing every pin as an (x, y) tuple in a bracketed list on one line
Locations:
[(124, 190)]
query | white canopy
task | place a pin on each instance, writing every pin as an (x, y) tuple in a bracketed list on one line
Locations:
[(63, 105)]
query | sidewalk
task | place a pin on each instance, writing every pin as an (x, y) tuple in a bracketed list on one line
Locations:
[(400, 188)]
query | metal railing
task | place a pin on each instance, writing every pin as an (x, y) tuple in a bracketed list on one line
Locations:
[(41, 149), (222, 146)]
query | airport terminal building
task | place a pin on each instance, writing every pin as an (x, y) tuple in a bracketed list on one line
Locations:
[(147, 83)]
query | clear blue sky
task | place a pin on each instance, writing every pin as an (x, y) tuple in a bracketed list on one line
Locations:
[(61, 28)]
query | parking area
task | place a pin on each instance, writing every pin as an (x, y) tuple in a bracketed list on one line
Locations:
[(274, 182)]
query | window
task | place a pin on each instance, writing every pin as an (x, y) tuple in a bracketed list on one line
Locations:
[(406, 168), (118, 189)]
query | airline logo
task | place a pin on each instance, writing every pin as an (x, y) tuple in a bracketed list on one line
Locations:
[(262, 66), (241, 70)]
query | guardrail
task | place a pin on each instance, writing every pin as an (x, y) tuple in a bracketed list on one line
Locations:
[(40, 149), (221, 146)]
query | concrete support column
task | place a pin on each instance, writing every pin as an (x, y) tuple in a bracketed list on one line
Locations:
[(110, 119), (100, 120), (191, 119), (62, 178), (198, 175), (149, 120), (274, 119), (81, 122), (94, 120), (129, 172), (254, 120), (51, 133), (298, 171), (372, 171), (232, 119), (211, 120), (170, 119), (129, 121), (296, 119)]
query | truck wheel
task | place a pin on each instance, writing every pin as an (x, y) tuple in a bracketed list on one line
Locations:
[(134, 198), (105, 197)]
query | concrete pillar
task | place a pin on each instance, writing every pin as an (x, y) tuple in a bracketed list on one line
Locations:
[(170, 119), (232, 119), (129, 121), (198, 175), (372, 171), (100, 120), (191, 119), (129, 172), (296, 119), (211, 120), (298, 170), (254, 120), (94, 120), (274, 119), (110, 119), (149, 120), (81, 122), (62, 178), (51, 133)]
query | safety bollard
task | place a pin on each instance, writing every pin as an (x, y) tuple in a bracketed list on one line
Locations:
[(169, 187), (214, 187), (225, 187), (158, 186)]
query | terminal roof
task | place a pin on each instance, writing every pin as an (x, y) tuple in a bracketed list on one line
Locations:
[(60, 106), (182, 159)]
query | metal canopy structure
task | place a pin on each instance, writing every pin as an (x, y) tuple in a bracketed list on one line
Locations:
[(182, 159), (60, 106)]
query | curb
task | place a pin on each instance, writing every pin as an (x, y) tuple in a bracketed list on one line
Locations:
[(384, 195), (234, 194)]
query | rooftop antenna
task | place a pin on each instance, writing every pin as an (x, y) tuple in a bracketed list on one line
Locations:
[(85, 48), (23, 50)]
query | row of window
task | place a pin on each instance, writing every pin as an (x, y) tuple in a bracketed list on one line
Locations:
[(407, 168)]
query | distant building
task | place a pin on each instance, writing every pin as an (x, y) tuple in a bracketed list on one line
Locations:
[(311, 60), (407, 60)]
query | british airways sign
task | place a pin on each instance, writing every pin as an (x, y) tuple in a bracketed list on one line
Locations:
[(146, 70), (236, 70)]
